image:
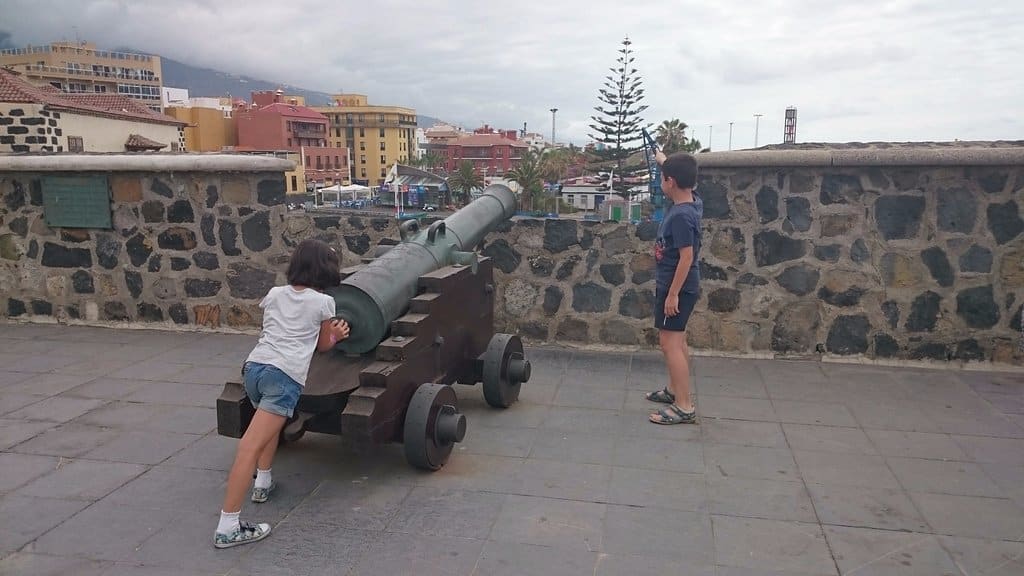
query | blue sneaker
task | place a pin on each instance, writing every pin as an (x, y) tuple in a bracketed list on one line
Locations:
[(261, 495), (245, 534)]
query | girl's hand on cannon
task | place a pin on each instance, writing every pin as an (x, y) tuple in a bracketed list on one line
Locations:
[(340, 329)]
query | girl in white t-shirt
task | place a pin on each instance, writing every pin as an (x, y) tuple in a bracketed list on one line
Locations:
[(298, 319)]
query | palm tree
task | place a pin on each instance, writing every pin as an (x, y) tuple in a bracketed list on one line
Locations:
[(431, 160), (464, 180), (555, 163), (672, 137), (528, 173)]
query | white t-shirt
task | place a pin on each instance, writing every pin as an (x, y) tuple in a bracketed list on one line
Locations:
[(291, 327)]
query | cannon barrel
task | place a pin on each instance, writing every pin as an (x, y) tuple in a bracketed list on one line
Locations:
[(377, 294)]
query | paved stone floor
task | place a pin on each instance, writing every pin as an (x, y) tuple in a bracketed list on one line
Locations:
[(110, 464)]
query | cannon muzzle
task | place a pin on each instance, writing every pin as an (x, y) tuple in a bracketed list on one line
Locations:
[(373, 297)]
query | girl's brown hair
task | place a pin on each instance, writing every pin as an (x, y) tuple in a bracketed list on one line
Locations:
[(314, 264)]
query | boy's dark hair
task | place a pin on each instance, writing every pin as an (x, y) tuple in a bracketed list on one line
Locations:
[(681, 167), (314, 264)]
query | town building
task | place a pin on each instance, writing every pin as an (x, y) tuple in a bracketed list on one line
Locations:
[(43, 119), (491, 154), (170, 96), (79, 67), (534, 140), (271, 124), (376, 136), (211, 123)]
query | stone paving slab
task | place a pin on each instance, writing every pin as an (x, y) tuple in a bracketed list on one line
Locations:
[(110, 464)]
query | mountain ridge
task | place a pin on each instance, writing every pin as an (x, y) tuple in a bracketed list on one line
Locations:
[(200, 81)]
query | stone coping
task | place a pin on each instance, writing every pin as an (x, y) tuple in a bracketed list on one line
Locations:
[(854, 158), (143, 163)]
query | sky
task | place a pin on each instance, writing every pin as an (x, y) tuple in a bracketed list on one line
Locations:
[(872, 70)]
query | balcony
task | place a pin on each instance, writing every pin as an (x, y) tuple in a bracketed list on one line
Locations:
[(86, 73), (309, 133), (76, 50), (372, 123)]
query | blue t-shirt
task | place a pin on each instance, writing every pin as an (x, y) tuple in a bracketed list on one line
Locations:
[(679, 229)]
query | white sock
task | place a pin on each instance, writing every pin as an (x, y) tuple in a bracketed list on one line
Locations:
[(263, 479), (228, 522)]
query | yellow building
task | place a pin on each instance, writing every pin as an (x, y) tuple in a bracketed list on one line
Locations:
[(80, 67), (208, 130), (377, 137)]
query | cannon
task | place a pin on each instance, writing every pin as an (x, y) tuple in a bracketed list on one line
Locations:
[(421, 313)]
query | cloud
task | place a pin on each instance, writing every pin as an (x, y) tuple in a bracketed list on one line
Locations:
[(872, 70)]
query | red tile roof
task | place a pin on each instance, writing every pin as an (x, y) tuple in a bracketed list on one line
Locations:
[(139, 142), (486, 140), (13, 88)]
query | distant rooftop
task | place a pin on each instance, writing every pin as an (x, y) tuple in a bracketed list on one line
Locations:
[(76, 48), (487, 140), (14, 88)]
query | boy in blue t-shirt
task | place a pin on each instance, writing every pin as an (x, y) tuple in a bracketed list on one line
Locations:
[(676, 253)]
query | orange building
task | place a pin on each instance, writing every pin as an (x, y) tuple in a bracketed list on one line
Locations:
[(209, 129)]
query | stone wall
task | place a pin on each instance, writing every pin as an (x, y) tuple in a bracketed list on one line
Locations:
[(193, 243), (887, 262), (885, 254)]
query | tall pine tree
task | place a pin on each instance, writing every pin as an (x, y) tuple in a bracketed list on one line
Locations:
[(619, 120)]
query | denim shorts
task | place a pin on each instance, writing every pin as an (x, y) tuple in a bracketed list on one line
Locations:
[(677, 323), (270, 389)]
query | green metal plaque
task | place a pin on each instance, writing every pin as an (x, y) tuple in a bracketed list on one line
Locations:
[(76, 202)]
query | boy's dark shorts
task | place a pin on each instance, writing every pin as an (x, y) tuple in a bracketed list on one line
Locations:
[(677, 323)]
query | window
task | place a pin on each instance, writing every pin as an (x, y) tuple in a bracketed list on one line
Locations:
[(380, 118), (383, 172), (348, 118), (362, 132), (337, 132), (381, 131), (76, 144), (363, 172), (337, 162), (289, 142), (383, 158), (382, 146), (362, 158), (350, 134), (308, 161), (362, 145), (295, 183)]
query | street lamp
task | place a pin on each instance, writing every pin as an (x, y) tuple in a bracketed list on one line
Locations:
[(757, 125), (553, 110), (730, 135)]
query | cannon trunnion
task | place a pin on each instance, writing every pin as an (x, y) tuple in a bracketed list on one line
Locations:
[(442, 333)]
